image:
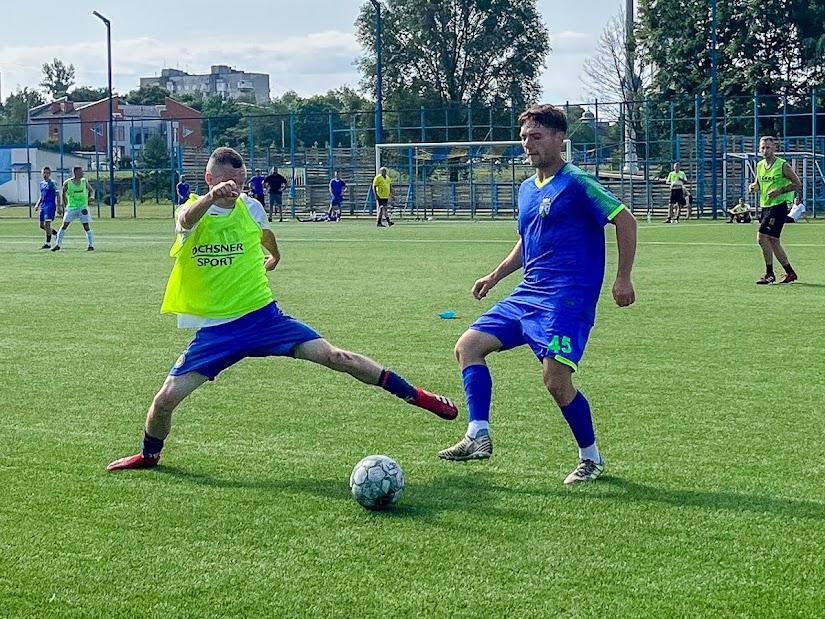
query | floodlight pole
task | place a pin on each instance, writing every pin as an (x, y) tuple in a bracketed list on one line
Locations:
[(713, 105), (110, 132), (379, 106)]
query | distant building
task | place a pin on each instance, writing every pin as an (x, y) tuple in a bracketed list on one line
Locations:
[(86, 123), (221, 80)]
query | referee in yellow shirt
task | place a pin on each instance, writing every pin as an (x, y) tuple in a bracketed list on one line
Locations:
[(382, 186)]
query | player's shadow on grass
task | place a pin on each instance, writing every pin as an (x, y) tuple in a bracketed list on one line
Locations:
[(612, 488), (798, 284), (473, 493)]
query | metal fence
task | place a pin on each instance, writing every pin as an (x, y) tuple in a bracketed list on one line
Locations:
[(629, 147)]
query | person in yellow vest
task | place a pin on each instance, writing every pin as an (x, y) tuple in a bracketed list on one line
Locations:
[(77, 196), (382, 186), (678, 185), (776, 182), (219, 285)]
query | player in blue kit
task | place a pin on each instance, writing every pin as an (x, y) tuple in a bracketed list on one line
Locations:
[(562, 214), (47, 205)]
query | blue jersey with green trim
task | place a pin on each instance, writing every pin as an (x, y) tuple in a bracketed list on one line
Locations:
[(561, 224)]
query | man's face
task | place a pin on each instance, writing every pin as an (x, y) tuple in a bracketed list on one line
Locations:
[(675, 167), (541, 145), (222, 173), (47, 174), (767, 148), (78, 172), (338, 176), (274, 170)]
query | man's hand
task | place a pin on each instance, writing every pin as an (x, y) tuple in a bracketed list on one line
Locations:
[(753, 187), (623, 292), (36, 208), (773, 193), (483, 286), (270, 262), (222, 191)]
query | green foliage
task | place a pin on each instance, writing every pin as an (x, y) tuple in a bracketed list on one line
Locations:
[(88, 93), (456, 50), (155, 158), (147, 95), (769, 47), (69, 145), (58, 77), (15, 113)]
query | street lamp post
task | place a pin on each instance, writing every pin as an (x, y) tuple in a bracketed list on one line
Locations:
[(379, 107), (713, 105), (110, 132)]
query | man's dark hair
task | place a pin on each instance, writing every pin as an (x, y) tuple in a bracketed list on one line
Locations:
[(45, 167), (77, 167), (546, 115), (224, 155)]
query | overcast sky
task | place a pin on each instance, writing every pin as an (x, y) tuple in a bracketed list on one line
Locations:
[(307, 46)]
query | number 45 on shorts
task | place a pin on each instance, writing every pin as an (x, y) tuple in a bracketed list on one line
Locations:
[(560, 345)]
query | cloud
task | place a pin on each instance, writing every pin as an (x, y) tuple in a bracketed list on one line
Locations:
[(308, 64)]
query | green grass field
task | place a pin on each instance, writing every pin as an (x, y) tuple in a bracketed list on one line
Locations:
[(707, 396)]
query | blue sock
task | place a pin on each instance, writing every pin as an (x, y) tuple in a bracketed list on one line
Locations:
[(151, 446), (392, 382), (478, 387), (577, 414)]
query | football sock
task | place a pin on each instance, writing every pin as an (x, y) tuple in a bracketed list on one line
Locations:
[(769, 268), (89, 237), (151, 446), (478, 387), (392, 382), (578, 417), (60, 234), (590, 453), (788, 269)]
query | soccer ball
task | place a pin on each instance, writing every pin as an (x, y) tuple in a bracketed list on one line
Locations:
[(377, 482)]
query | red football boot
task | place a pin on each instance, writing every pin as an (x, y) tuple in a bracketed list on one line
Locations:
[(436, 404), (138, 461)]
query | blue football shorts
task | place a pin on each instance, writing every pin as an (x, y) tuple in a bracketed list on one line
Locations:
[(266, 332), (47, 213), (548, 332)]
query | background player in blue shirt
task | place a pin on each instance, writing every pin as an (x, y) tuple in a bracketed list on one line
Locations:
[(256, 183), (47, 205), (336, 195), (562, 214), (183, 190)]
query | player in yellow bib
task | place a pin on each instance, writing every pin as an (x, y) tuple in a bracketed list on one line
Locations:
[(219, 286), (776, 182), (677, 180), (77, 196), (382, 186)]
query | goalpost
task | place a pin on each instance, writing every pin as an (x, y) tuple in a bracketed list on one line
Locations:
[(455, 178), (808, 165)]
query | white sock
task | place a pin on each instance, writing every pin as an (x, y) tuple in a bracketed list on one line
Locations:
[(590, 453), (89, 237), (60, 237), (476, 426)]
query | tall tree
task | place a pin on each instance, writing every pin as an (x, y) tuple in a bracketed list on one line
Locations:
[(155, 159), (58, 77), (454, 51)]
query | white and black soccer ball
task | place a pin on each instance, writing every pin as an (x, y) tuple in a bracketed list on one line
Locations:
[(377, 482)]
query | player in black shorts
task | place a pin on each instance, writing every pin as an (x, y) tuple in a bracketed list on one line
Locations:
[(776, 181)]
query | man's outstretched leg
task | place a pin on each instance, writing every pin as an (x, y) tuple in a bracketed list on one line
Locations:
[(159, 420), (368, 371)]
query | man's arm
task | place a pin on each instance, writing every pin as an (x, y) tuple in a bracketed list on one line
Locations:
[(190, 216), (271, 245), (332, 195), (90, 192), (510, 264), (625, 224), (64, 191)]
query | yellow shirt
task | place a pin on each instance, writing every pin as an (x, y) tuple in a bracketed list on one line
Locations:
[(381, 184)]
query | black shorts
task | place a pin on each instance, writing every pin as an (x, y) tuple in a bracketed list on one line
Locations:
[(677, 196), (383, 201), (773, 220)]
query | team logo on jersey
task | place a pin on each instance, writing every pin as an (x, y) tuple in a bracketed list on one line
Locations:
[(544, 208), (181, 360)]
